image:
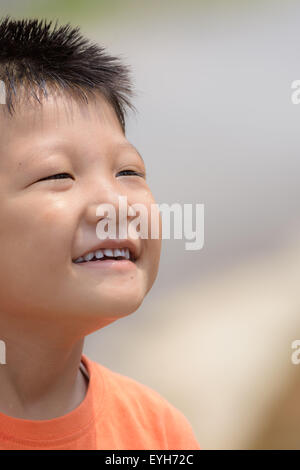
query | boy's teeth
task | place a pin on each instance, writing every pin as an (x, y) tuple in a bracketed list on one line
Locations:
[(107, 252), (89, 256)]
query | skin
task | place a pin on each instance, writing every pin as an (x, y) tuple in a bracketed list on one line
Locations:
[(48, 304)]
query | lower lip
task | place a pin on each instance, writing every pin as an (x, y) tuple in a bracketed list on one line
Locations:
[(115, 265)]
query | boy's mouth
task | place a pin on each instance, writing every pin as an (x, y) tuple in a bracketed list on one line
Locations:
[(118, 254), (113, 260)]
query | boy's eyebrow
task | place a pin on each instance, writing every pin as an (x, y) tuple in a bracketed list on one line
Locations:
[(51, 148), (132, 147)]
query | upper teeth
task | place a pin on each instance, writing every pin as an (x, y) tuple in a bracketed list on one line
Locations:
[(107, 252)]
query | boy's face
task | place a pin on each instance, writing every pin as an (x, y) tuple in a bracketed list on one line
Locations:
[(47, 224)]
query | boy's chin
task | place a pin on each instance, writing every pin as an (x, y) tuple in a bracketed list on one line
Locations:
[(113, 308), (99, 316), (121, 307)]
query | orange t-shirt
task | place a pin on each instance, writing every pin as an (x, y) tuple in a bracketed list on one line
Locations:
[(117, 413)]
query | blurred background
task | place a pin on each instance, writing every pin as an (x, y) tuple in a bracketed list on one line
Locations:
[(216, 126)]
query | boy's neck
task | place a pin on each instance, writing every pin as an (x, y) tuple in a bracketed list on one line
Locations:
[(42, 386)]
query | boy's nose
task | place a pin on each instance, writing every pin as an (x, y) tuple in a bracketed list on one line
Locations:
[(109, 199)]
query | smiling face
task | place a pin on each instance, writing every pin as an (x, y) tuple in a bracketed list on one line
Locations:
[(48, 222)]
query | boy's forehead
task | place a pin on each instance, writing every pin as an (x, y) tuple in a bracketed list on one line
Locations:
[(59, 111), (60, 124), (57, 118)]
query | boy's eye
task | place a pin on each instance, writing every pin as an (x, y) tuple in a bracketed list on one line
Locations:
[(57, 176), (132, 172), (67, 175)]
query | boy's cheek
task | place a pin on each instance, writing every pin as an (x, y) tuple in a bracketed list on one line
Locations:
[(152, 252)]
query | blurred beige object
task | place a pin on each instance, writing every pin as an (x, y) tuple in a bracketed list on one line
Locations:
[(223, 348)]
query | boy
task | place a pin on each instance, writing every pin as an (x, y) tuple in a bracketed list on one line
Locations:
[(63, 152)]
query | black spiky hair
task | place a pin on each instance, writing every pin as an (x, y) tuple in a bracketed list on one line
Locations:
[(34, 56)]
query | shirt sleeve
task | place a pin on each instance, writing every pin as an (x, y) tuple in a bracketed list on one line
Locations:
[(180, 434)]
